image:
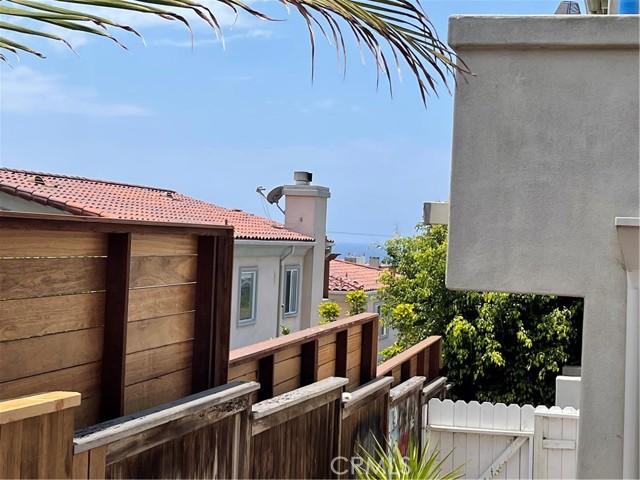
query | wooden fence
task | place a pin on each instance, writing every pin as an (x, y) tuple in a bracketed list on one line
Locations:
[(201, 436), (365, 418), (424, 359), (500, 441), (345, 348), (145, 306), (310, 432), (297, 435), (405, 414)]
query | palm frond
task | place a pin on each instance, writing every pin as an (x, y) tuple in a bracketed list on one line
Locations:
[(391, 31)]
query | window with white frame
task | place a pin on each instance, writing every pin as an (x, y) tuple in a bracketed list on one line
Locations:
[(291, 290), (384, 329), (247, 296)]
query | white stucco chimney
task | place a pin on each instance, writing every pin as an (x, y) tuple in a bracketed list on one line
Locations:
[(306, 213)]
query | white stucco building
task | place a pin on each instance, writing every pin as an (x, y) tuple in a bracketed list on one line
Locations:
[(545, 195), (278, 267)]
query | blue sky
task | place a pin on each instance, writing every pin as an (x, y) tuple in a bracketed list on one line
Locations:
[(215, 123)]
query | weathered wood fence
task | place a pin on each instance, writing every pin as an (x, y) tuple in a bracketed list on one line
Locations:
[(145, 306), (310, 432), (500, 441)]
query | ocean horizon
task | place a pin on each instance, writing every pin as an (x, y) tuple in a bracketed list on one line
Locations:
[(359, 249)]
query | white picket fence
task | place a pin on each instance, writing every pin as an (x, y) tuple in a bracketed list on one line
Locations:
[(503, 442)]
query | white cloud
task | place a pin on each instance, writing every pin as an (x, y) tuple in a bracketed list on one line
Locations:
[(25, 90), (248, 34)]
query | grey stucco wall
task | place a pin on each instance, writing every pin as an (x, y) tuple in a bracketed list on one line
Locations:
[(545, 156)]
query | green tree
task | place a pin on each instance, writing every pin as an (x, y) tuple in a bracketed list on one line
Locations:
[(329, 312), (357, 300), (389, 29), (497, 346)]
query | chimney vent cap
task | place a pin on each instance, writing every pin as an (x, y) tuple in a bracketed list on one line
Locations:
[(302, 178)]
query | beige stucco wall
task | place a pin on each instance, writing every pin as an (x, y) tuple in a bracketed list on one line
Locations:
[(545, 156)]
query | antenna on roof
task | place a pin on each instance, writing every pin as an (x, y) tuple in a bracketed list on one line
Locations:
[(273, 196)]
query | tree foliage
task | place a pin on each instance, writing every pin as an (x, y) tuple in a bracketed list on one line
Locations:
[(498, 347), (357, 300), (329, 311)]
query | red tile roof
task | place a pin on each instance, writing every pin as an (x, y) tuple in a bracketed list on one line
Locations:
[(347, 276), (84, 196)]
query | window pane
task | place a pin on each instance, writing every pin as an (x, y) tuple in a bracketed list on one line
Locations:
[(291, 291), (247, 287)]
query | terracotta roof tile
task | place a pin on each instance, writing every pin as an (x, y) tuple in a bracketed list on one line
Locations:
[(347, 276), (135, 202)]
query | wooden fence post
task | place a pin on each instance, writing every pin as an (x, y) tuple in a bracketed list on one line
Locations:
[(115, 325), (36, 435), (369, 351), (309, 363)]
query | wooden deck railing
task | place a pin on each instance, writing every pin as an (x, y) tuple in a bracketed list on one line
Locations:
[(130, 314), (345, 348), (423, 359)]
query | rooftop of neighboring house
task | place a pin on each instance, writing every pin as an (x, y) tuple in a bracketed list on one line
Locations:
[(347, 276), (102, 198)]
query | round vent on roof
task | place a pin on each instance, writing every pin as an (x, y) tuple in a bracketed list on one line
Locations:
[(38, 180)]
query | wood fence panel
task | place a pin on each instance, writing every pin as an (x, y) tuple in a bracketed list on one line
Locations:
[(41, 277), (342, 348), (36, 435), (35, 317), (157, 332), (297, 435), (51, 243), (36, 355), (405, 414), (54, 276), (155, 362), (155, 302), (152, 271), (163, 244), (84, 379), (365, 418), (423, 359), (199, 436), (157, 390)]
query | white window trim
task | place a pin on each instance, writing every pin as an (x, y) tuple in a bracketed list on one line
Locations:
[(383, 331), (287, 269), (254, 300)]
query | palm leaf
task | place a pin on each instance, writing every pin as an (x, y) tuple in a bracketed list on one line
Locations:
[(396, 30)]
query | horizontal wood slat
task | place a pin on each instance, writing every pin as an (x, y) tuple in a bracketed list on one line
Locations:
[(51, 243), (156, 332), (27, 278), (84, 379), (288, 353), (33, 317), (152, 363), (326, 353), (157, 390), (31, 356), (286, 369), (162, 270), (161, 301), (242, 369), (150, 244)]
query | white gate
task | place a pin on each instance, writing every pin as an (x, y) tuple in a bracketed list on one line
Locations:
[(500, 441)]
